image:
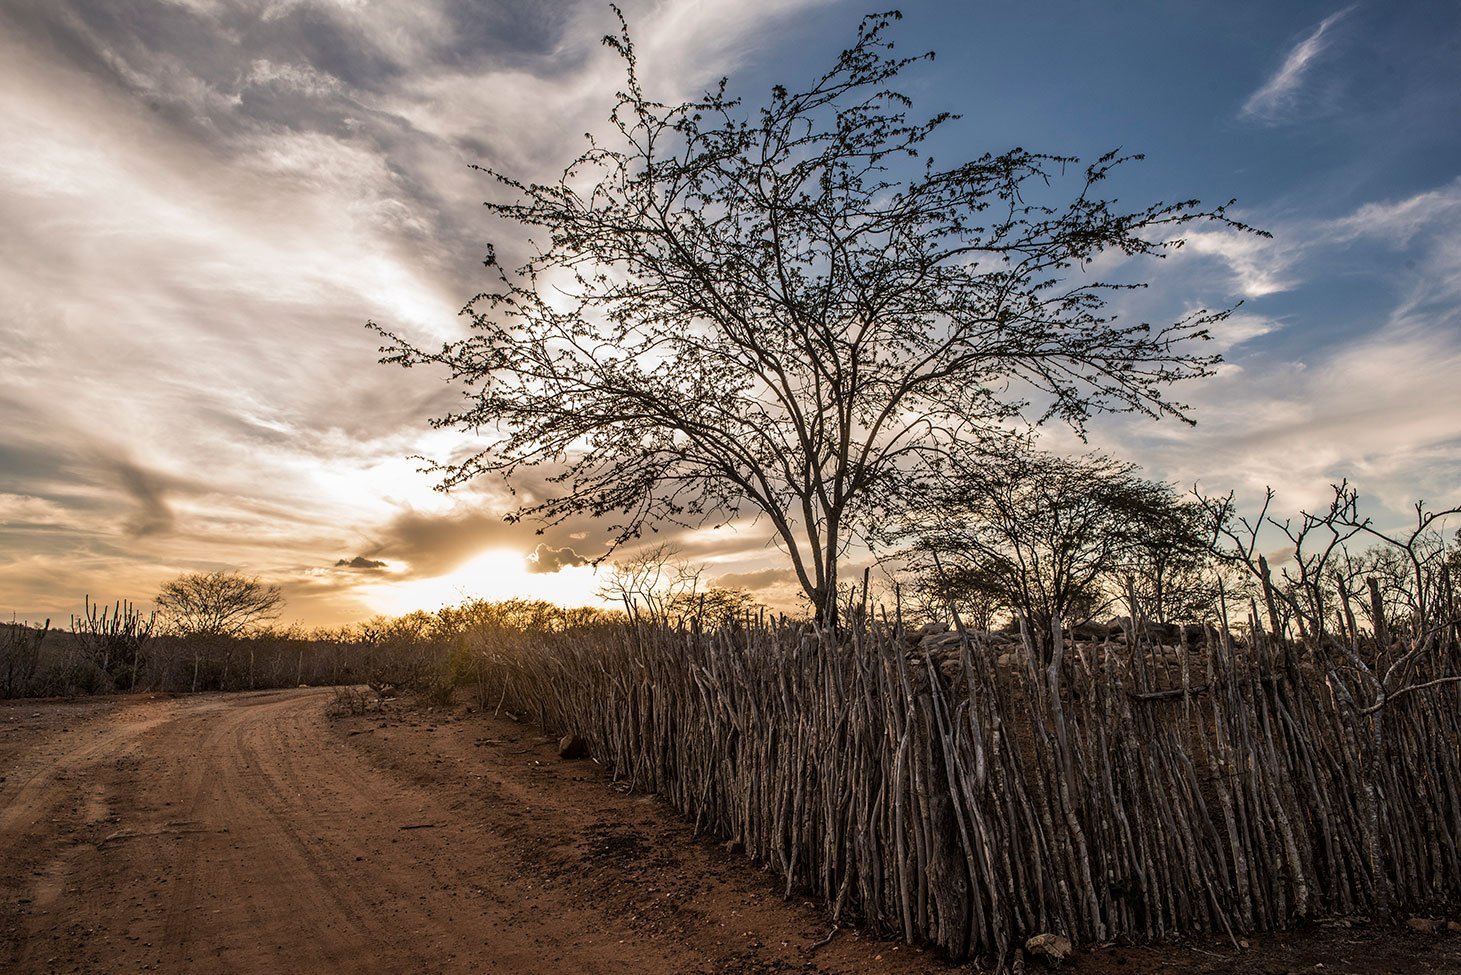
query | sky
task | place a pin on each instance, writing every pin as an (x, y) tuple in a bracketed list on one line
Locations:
[(203, 201)]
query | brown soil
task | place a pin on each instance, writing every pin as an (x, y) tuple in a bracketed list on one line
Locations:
[(252, 833)]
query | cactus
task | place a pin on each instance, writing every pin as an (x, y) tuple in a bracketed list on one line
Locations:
[(20, 655), (116, 640)]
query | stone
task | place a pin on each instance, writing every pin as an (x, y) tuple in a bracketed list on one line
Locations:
[(572, 746), (1092, 631), (1053, 948)]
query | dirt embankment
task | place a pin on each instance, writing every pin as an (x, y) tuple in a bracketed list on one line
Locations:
[(250, 833)]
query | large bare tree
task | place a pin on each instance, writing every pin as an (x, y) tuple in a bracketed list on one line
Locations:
[(789, 312), (217, 604)]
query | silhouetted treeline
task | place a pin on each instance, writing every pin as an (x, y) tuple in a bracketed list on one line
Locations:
[(115, 649)]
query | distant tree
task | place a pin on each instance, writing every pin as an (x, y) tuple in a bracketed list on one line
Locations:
[(713, 607), (217, 604), (787, 310), (1041, 530), (977, 595), (478, 618), (653, 582), (400, 653), (1169, 565)]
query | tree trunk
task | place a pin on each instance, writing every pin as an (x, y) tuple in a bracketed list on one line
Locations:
[(1377, 613), (827, 610)]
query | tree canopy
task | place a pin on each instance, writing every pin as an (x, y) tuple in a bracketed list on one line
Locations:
[(790, 312), (217, 604), (1051, 538)]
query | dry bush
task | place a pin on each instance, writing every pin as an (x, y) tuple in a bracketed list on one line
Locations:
[(20, 656), (349, 699)]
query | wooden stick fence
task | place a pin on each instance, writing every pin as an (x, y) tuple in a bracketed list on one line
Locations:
[(969, 799)]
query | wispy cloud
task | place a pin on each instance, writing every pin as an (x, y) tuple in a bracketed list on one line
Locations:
[(1399, 221), (758, 579), (1376, 401), (1258, 265), (1276, 100)]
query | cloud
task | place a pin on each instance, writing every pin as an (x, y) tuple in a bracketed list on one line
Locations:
[(1277, 98), (545, 558), (1366, 393), (758, 580), (1258, 265), (32, 512), (1399, 221), (153, 515), (1426, 226), (775, 587), (360, 562), (425, 543), (1241, 327), (433, 543)]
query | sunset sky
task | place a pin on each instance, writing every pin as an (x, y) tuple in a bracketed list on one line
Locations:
[(203, 201)]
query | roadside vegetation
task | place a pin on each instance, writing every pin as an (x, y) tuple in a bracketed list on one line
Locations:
[(119, 649)]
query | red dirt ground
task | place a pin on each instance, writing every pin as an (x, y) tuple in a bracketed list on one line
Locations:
[(253, 833)]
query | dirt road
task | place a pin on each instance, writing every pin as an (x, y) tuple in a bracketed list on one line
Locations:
[(248, 833), (251, 833)]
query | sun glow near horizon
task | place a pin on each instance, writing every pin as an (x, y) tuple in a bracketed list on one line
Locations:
[(496, 575)]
